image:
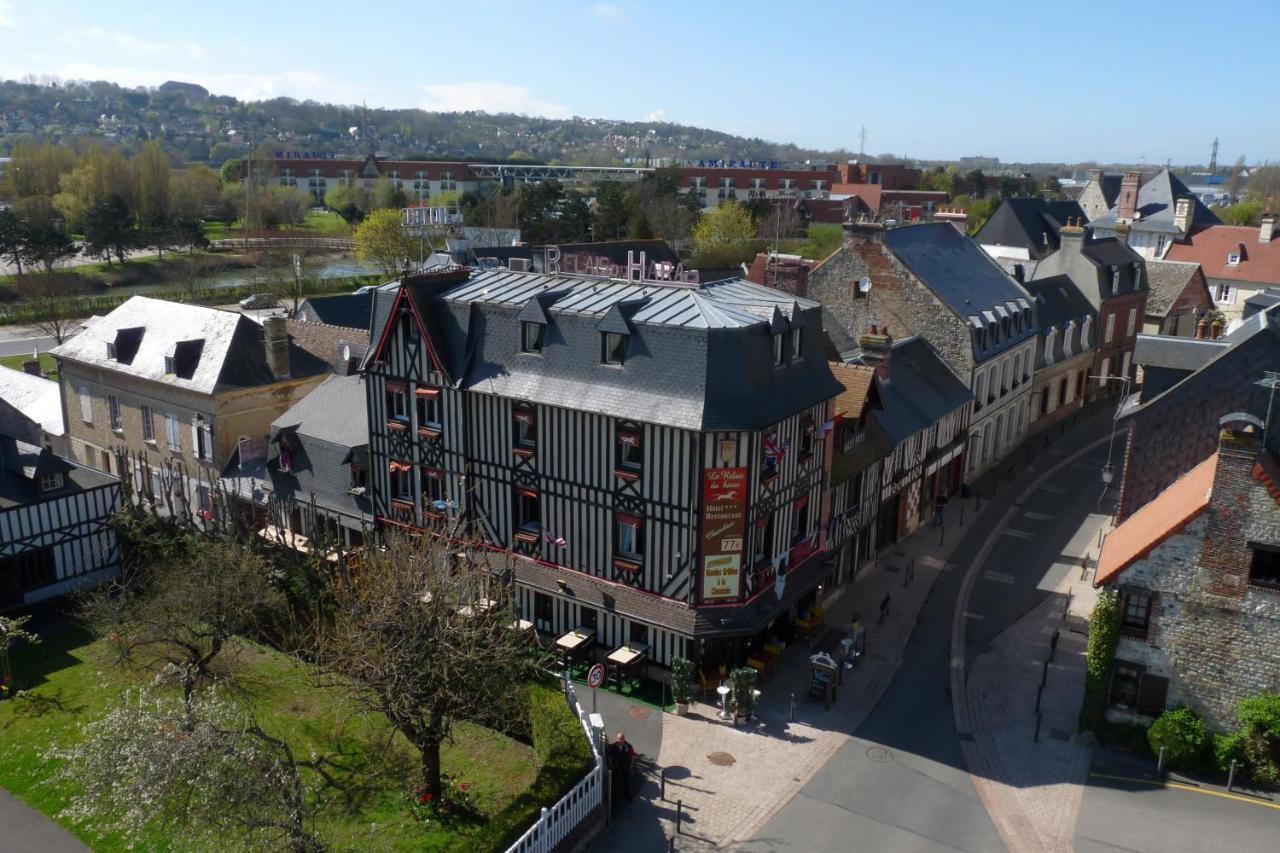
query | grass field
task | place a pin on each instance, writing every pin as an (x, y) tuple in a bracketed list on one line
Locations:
[(71, 680), (47, 364), (319, 223)]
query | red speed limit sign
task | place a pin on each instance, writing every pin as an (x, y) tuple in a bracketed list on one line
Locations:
[(595, 676)]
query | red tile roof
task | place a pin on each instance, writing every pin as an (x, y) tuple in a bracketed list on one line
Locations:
[(1171, 511), (1209, 247), (857, 380)]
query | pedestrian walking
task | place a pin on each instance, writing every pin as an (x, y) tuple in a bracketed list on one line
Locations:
[(859, 633), (884, 608), (622, 759), (939, 504)]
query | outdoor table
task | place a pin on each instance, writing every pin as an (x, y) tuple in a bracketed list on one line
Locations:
[(522, 625), (574, 643), (477, 608), (627, 658), (723, 690)]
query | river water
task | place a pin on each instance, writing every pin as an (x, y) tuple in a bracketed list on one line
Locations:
[(336, 267)]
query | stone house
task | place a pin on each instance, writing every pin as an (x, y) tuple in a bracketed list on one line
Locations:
[(1025, 229), (932, 281), (855, 454), (1099, 194), (1178, 298), (1112, 278), (179, 386), (1197, 570), (1065, 343), (1151, 213)]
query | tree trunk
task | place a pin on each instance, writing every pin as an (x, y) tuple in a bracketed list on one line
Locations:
[(431, 767)]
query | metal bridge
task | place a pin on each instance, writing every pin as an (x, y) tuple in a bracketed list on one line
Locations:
[(576, 174)]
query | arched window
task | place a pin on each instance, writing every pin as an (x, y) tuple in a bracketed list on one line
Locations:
[(980, 391), (1017, 370)]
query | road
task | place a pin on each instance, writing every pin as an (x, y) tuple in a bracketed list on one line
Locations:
[(24, 345), (922, 798)]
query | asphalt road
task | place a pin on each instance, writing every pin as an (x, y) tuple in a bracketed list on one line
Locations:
[(24, 346), (923, 799)]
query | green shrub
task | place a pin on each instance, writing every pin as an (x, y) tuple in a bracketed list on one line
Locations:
[(1130, 736), (1181, 734), (1228, 748), (1100, 660), (682, 672), (1259, 733)]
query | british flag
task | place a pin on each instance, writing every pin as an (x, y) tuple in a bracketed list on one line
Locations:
[(552, 539), (773, 451)]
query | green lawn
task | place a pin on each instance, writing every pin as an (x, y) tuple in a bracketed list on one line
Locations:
[(47, 364), (319, 223), (71, 681)]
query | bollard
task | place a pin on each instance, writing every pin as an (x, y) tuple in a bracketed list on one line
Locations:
[(662, 778), (1053, 644), (1036, 737), (1044, 676), (961, 523), (942, 534), (793, 706), (1039, 693), (679, 814), (1160, 761), (1231, 775)]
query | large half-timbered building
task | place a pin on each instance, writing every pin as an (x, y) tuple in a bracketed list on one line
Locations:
[(651, 452)]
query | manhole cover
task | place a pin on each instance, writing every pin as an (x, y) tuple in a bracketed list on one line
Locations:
[(879, 754), (721, 759), (639, 713)]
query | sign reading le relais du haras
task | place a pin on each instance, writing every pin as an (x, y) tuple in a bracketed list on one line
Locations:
[(724, 505)]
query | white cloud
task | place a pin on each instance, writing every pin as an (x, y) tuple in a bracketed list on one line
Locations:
[(126, 41), (656, 115), (489, 97), (6, 13), (608, 13)]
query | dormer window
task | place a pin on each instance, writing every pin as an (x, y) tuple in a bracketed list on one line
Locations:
[(613, 348), (168, 365), (1115, 278), (1049, 340), (797, 343), (50, 482), (531, 337), (111, 350), (776, 342), (1233, 259)]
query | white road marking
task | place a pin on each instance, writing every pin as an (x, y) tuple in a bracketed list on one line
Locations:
[(1052, 489), (1017, 534), (1037, 516), (998, 577)]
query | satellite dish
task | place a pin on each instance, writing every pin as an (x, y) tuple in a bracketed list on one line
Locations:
[(864, 284)]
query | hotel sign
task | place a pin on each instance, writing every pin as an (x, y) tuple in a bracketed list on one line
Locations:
[(724, 519)]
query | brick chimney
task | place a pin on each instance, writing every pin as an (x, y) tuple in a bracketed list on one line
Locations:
[(1182, 215), (1127, 201), (1268, 229), (276, 343), (1225, 556), (877, 346), (1071, 236)]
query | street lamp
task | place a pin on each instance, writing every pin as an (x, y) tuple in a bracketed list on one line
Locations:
[(1108, 469)]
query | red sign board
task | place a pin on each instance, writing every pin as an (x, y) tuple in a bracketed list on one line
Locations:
[(595, 676), (724, 505)]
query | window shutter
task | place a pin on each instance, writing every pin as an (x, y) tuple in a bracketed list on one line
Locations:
[(1152, 692), (86, 405), (195, 439)]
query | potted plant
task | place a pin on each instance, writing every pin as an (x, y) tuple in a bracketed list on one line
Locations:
[(744, 698), (681, 684)]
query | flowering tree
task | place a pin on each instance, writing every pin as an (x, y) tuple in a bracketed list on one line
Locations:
[(414, 636), (202, 763), (180, 613), (12, 631)]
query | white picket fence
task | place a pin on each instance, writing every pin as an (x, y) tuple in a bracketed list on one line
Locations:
[(557, 821)]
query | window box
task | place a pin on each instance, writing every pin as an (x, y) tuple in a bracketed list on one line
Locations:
[(624, 474), (523, 452), (767, 477), (429, 432), (627, 564), (528, 535), (397, 426)]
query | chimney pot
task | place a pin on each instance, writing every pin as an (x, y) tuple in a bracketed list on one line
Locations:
[(1267, 231), (1202, 329), (276, 343)]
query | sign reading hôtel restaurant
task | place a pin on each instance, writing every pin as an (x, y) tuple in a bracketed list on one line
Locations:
[(724, 504)]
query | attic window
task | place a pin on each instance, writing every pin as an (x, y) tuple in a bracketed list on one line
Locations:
[(531, 337), (613, 348), (184, 359), (776, 341), (50, 482), (1233, 259)]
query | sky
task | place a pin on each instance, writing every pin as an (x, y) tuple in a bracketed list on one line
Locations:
[(1121, 81)]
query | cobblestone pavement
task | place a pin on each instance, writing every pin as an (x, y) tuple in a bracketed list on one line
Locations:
[(1033, 788), (732, 780)]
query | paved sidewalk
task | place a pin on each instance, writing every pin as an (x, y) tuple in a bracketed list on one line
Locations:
[(24, 828), (1033, 788), (733, 780)]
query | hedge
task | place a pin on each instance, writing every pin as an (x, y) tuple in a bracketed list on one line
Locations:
[(1100, 660)]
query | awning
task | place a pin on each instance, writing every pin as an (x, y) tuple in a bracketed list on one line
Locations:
[(397, 467), (395, 386), (427, 392)]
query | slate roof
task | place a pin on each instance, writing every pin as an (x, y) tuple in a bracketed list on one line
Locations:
[(1177, 353), (1058, 300), (956, 269), (1156, 200), (22, 464), (1171, 511), (1028, 223), (920, 390), (223, 349), (35, 398), (1166, 280), (335, 410), (1260, 301), (350, 310), (698, 355), (1209, 247)]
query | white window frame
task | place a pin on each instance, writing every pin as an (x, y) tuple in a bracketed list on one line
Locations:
[(1233, 259), (628, 539), (148, 424), (172, 431), (1133, 323), (1224, 293), (531, 344), (1111, 328), (778, 352), (49, 482), (797, 344), (1050, 338), (113, 413)]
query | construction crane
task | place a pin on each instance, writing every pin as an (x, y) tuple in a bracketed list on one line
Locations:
[(1213, 158)]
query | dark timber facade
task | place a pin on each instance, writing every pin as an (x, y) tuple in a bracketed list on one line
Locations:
[(571, 421)]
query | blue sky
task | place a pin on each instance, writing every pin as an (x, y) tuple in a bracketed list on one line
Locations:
[(1071, 81)]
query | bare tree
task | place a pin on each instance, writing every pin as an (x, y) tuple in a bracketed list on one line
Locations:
[(415, 636), (181, 611), (288, 275)]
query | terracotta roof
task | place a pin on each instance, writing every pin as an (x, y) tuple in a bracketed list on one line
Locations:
[(857, 380), (1210, 246), (1171, 511)]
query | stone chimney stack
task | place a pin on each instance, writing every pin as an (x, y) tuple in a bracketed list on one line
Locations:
[(1268, 229), (1127, 201), (1071, 236), (1095, 176), (877, 346), (1182, 215), (1225, 556), (276, 343)]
